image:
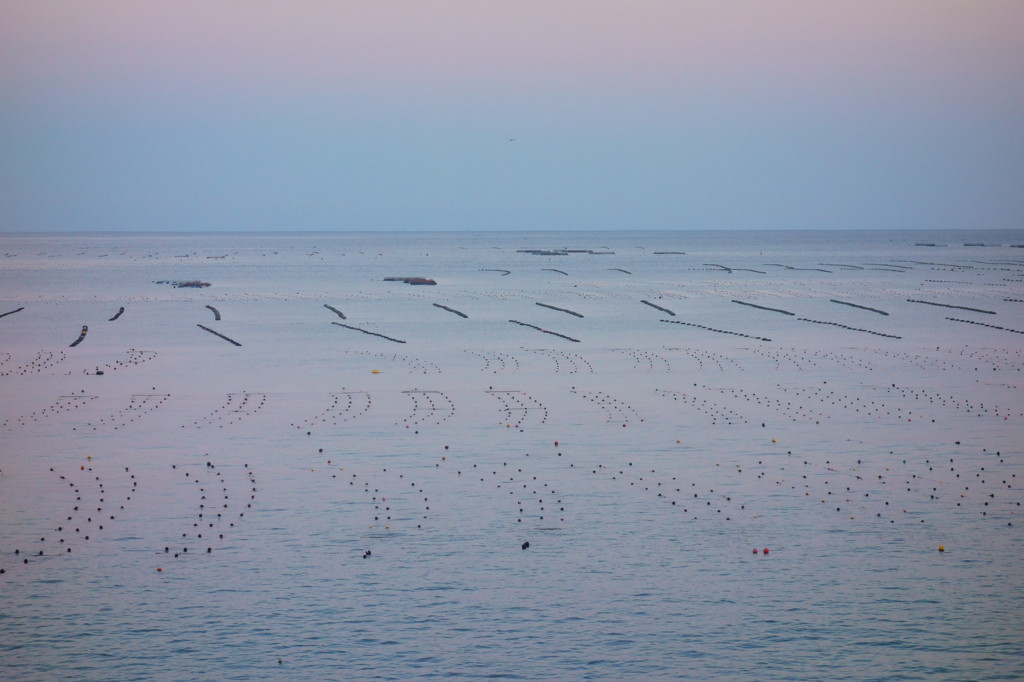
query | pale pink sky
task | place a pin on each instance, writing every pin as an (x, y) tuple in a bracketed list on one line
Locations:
[(769, 69)]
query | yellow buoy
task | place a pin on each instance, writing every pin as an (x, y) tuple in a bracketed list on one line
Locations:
[(942, 548), (376, 371)]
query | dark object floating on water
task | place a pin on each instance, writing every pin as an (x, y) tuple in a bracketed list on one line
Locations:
[(503, 272), (658, 307), (120, 310), (410, 280), (347, 326), (720, 331), (621, 270), (11, 312), (928, 244), (561, 272), (764, 307), (335, 310), (81, 337), (541, 329), (669, 253), (451, 310), (862, 307), (563, 252), (216, 313), (561, 310), (978, 244), (958, 307), (525, 544), (185, 284), (219, 334), (853, 329)]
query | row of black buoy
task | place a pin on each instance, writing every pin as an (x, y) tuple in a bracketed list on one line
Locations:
[(855, 329), (982, 324), (720, 331)]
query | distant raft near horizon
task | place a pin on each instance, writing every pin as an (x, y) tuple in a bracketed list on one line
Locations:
[(185, 284), (411, 280)]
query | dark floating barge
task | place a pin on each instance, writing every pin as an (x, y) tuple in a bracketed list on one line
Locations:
[(411, 280), (185, 284), (564, 252)]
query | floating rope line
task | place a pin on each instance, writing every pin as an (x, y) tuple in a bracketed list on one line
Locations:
[(540, 329), (335, 311), (81, 337), (958, 307), (853, 329), (346, 326), (982, 324), (561, 310), (219, 334), (720, 331), (451, 310), (862, 307), (764, 307), (658, 307)]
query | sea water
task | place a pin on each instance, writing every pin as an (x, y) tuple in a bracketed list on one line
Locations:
[(708, 488)]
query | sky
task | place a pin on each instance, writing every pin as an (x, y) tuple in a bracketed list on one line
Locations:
[(200, 115)]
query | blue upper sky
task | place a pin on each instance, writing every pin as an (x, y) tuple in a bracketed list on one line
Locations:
[(468, 115)]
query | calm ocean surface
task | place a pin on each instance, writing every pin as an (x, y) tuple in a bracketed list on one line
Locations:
[(704, 397)]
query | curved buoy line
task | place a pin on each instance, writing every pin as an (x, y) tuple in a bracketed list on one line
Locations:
[(503, 272), (862, 307), (219, 334), (561, 310), (451, 310), (335, 311), (216, 313), (541, 329), (81, 337), (347, 326), (764, 307), (16, 310), (658, 307), (561, 272), (121, 310), (621, 270)]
